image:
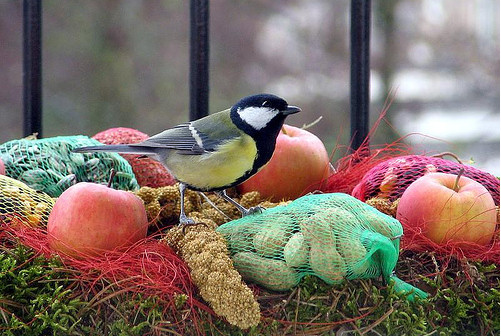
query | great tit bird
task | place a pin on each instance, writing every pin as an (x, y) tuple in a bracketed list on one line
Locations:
[(218, 151)]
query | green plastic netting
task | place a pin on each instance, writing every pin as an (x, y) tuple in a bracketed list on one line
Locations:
[(332, 236), (49, 165)]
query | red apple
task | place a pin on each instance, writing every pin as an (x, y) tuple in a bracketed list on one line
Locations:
[(90, 218), (2, 167), (299, 165), (449, 208)]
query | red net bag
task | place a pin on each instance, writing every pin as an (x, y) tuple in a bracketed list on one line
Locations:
[(383, 187), (390, 178), (149, 172), (351, 168)]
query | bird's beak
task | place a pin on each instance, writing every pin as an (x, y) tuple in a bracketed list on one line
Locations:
[(291, 109)]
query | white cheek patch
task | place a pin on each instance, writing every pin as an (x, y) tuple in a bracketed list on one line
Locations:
[(257, 117)]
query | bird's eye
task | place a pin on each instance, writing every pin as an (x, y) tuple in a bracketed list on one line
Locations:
[(265, 104)]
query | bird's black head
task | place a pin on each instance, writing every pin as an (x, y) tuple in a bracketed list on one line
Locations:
[(261, 115)]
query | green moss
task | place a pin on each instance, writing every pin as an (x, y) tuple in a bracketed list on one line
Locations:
[(35, 298), (39, 296), (464, 300)]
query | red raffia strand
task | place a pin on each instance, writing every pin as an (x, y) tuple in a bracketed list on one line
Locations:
[(414, 239), (333, 323), (390, 178), (350, 169), (396, 174), (149, 267), (354, 168)]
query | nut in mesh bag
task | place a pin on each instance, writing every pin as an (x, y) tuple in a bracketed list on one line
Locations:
[(332, 236)]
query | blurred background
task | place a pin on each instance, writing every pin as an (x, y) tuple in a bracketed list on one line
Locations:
[(124, 63)]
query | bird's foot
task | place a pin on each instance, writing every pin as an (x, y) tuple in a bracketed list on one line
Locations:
[(253, 211), (185, 220), (244, 211)]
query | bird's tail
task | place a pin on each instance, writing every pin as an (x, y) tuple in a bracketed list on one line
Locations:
[(122, 149)]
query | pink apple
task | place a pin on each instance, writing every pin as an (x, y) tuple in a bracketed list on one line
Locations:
[(299, 165), (2, 167), (449, 208), (90, 218)]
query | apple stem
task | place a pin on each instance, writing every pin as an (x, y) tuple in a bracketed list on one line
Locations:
[(112, 176), (306, 126), (284, 131), (456, 183)]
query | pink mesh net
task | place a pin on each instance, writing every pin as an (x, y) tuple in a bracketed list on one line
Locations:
[(149, 172), (390, 178)]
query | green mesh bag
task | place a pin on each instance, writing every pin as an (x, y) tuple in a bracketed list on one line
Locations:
[(332, 236), (49, 165)]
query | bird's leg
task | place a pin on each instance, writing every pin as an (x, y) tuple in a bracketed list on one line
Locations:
[(243, 210), (183, 219)]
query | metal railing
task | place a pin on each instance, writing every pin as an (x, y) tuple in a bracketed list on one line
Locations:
[(32, 67), (199, 65), (360, 35)]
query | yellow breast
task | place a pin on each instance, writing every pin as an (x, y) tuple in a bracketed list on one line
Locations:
[(216, 169)]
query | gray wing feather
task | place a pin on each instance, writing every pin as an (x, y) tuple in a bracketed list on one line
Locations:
[(192, 138), (184, 138)]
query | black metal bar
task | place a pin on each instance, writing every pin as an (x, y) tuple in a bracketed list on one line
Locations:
[(360, 70), (32, 67), (199, 59)]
